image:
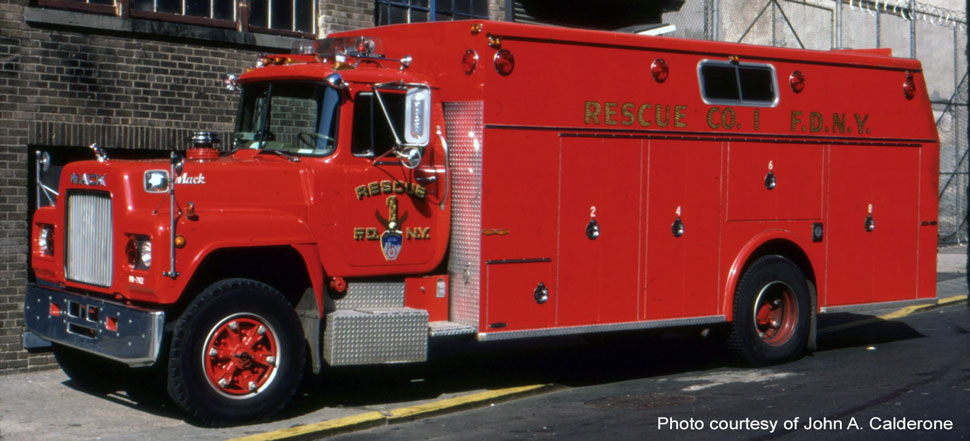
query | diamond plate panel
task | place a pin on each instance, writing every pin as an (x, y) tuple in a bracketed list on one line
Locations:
[(372, 295), (376, 336), (464, 123)]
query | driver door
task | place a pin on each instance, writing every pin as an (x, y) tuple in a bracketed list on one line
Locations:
[(392, 215)]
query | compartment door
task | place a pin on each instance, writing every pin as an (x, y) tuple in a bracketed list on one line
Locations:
[(878, 263), (600, 229)]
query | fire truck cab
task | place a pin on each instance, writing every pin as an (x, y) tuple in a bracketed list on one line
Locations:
[(494, 181)]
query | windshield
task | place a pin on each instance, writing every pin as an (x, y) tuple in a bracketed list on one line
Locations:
[(292, 117)]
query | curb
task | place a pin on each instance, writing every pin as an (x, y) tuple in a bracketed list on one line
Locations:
[(895, 315), (368, 420)]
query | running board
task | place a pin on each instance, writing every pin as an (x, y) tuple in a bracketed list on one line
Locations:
[(449, 329)]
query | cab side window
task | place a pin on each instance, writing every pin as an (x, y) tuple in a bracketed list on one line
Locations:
[(372, 136)]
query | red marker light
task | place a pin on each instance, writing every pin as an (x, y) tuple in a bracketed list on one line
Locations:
[(504, 62), (659, 70), (909, 86), (469, 61), (797, 81), (111, 324), (55, 311)]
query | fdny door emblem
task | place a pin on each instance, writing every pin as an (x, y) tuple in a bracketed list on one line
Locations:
[(392, 239)]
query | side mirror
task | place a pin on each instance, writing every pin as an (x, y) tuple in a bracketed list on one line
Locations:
[(417, 116), (410, 157)]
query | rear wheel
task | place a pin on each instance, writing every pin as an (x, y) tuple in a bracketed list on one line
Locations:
[(771, 312), (237, 353)]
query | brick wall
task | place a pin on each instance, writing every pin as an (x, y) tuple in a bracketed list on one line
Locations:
[(121, 83), (69, 79)]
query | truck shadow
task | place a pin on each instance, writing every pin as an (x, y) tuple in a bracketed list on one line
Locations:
[(456, 365)]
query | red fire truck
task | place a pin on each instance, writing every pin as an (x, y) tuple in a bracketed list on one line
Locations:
[(495, 181)]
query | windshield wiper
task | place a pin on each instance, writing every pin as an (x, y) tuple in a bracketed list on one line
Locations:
[(288, 156)]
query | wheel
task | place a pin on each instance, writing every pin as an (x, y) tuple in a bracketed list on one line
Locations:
[(237, 353), (90, 372), (771, 312)]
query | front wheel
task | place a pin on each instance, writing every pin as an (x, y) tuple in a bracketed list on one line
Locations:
[(237, 353), (771, 312)]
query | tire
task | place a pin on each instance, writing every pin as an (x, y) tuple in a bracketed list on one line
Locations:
[(90, 372), (772, 312), (237, 354)]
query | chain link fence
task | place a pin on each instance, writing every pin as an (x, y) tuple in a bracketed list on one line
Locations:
[(934, 34)]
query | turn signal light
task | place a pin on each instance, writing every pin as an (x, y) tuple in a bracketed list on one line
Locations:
[(504, 62), (55, 311)]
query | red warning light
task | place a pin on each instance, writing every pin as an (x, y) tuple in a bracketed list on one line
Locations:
[(469, 61), (909, 86), (504, 62), (797, 81), (659, 70)]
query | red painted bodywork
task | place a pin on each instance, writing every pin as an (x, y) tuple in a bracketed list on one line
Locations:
[(652, 153)]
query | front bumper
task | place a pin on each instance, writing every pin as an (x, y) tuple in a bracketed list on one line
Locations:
[(120, 332)]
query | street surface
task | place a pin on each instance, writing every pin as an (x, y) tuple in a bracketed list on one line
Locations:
[(615, 387), (881, 381)]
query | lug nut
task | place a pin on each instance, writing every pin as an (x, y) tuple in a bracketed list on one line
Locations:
[(223, 382), (252, 386), (213, 352), (271, 360), (233, 326), (261, 330)]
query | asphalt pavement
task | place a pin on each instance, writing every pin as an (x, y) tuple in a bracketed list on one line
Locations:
[(46, 405)]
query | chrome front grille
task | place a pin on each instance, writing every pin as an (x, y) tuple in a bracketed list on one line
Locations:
[(89, 242)]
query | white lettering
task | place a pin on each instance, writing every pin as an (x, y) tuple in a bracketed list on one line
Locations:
[(191, 180)]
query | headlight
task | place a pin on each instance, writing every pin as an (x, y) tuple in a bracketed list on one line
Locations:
[(139, 252), (46, 240), (145, 254), (156, 181)]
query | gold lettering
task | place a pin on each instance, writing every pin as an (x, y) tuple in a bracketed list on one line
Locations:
[(861, 121), (374, 188), (361, 192), (420, 191), (815, 122), (359, 234), (418, 233), (795, 120), (386, 187), (398, 187), (756, 119), (592, 112), (661, 115), (838, 122), (610, 113), (679, 116), (627, 110), (372, 234), (710, 118), (726, 122), (640, 119)]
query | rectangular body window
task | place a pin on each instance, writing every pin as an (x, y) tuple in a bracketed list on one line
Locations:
[(741, 84)]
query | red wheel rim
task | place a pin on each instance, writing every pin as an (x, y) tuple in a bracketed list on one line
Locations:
[(775, 313), (240, 355)]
